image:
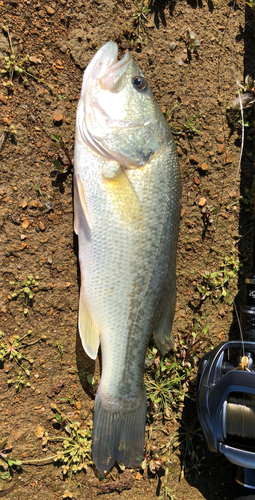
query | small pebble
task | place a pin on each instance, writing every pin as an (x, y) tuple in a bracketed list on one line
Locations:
[(58, 117), (33, 204), (173, 46), (232, 194), (3, 99), (48, 204), (202, 202), (16, 218), (193, 159), (22, 237), (222, 312), (204, 167), (34, 59), (227, 158), (49, 10), (25, 224)]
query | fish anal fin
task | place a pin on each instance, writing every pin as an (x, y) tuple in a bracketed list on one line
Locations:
[(163, 336), (124, 199), (80, 203), (89, 333)]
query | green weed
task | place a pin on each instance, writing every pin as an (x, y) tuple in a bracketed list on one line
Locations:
[(186, 439), (37, 189), (140, 14), (93, 384), (191, 43), (27, 288), (166, 493), (215, 285), (12, 349), (7, 463), (75, 454), (168, 379), (13, 66), (61, 97), (153, 461), (165, 383), (188, 125), (60, 144), (11, 130)]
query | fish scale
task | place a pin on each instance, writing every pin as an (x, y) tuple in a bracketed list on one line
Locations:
[(127, 210)]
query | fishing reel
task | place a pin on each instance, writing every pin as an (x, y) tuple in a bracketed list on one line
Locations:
[(226, 397)]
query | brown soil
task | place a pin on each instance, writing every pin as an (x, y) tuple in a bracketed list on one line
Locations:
[(37, 221)]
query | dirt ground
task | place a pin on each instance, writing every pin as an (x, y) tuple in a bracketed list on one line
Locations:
[(194, 91)]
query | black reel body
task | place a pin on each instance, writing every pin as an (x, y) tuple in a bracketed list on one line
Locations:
[(226, 404)]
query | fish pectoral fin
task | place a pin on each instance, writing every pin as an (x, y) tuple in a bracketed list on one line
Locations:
[(124, 199), (163, 335), (80, 201), (89, 333)]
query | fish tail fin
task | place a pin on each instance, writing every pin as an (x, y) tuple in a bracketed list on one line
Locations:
[(119, 429)]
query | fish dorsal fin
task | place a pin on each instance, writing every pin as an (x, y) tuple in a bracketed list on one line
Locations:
[(89, 333), (163, 336), (80, 203), (124, 199)]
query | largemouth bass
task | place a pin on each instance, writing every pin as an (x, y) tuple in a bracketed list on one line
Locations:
[(127, 210)]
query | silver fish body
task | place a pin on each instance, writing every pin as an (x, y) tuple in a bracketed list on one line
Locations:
[(127, 210)]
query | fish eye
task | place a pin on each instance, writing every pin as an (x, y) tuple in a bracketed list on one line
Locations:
[(139, 82)]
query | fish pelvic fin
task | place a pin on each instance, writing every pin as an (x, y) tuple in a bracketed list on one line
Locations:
[(80, 204), (88, 331), (124, 200), (163, 335), (119, 429)]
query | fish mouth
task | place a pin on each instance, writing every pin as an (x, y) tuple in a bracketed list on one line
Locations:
[(106, 69), (115, 75)]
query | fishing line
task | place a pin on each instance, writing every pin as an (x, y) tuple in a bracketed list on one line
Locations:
[(239, 97), (238, 412), (242, 147)]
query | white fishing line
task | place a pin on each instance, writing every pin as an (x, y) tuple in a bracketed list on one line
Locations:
[(240, 99), (239, 417), (242, 147)]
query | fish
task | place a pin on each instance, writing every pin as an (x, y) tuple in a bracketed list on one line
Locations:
[(127, 192)]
